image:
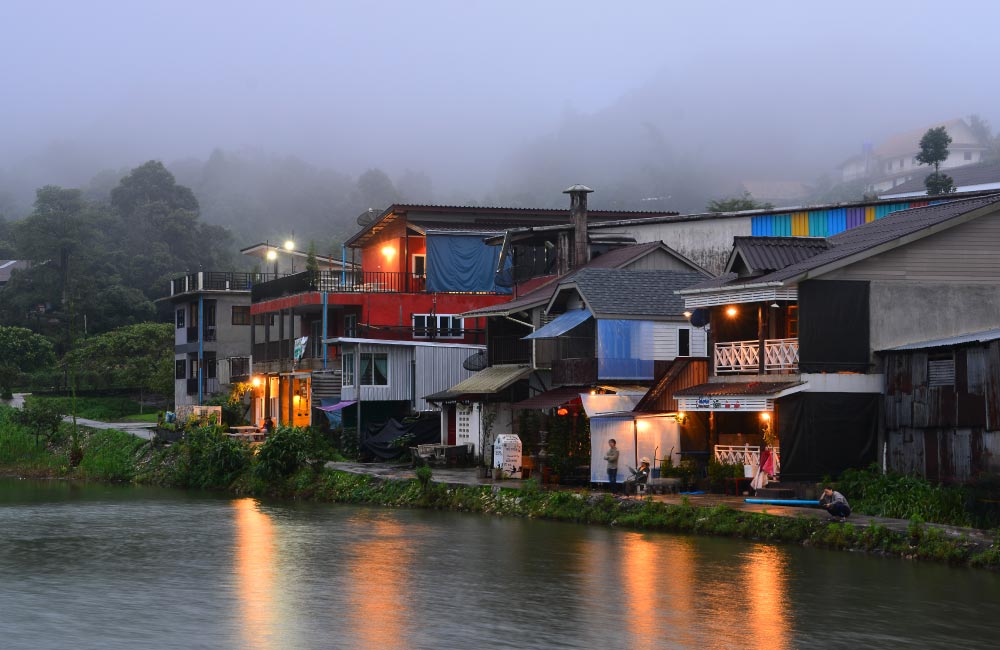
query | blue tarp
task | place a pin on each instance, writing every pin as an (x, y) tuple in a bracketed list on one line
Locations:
[(560, 324), (624, 349), (462, 262)]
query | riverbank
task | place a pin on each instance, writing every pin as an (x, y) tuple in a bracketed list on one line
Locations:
[(279, 470)]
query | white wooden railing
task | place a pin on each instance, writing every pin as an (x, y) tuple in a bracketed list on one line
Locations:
[(744, 455), (734, 357)]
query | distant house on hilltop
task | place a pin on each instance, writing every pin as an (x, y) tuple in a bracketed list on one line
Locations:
[(894, 161)]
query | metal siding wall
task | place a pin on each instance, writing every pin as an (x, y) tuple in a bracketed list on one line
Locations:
[(439, 369), (817, 224), (800, 224)]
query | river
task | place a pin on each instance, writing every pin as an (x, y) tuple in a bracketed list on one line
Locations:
[(92, 566)]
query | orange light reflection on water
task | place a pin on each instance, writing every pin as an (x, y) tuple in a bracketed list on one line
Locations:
[(255, 575), (767, 621), (378, 611)]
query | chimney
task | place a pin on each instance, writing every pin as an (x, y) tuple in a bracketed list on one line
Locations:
[(578, 216)]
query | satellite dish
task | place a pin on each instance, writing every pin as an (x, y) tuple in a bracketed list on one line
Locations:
[(476, 362), (367, 217), (699, 318)]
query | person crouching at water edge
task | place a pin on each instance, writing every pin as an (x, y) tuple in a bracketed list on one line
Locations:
[(835, 504)]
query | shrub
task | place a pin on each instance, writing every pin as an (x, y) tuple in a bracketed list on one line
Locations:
[(211, 459), (110, 455), (283, 452), (903, 496)]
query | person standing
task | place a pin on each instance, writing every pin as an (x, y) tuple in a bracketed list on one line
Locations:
[(612, 457), (835, 503)]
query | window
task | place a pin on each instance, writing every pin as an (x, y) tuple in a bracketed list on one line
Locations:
[(351, 325), (940, 370), (180, 369), (209, 313), (419, 265), (684, 342), (437, 326), (347, 369), (968, 155), (316, 339), (241, 315), (193, 315), (210, 365), (264, 319), (792, 319), (374, 369), (180, 319)]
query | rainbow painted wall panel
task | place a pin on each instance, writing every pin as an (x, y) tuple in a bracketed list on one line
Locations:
[(824, 223)]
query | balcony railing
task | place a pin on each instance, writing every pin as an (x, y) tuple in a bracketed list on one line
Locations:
[(743, 357), (509, 349), (217, 281), (745, 455), (209, 385), (341, 282), (574, 372)]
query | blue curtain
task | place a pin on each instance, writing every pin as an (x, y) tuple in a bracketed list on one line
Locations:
[(462, 263), (624, 349)]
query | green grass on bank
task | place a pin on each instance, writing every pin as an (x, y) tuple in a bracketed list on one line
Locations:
[(105, 409)]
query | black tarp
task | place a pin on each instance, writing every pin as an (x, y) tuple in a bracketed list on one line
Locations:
[(822, 434), (833, 326), (379, 439)]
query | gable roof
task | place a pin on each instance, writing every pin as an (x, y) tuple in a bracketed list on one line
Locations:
[(896, 229), (951, 341), (613, 259), (965, 176), (610, 293), (484, 218), (908, 142), (765, 254)]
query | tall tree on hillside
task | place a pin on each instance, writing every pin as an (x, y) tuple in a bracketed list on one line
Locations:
[(21, 350), (934, 151), (161, 234), (55, 231)]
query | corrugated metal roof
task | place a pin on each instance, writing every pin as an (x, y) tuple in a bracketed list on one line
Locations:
[(766, 254), (851, 242), (962, 339), (561, 324), (490, 380), (551, 398), (726, 389)]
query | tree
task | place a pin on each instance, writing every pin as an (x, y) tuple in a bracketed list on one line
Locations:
[(43, 418), (21, 350), (735, 204), (138, 357), (934, 151)]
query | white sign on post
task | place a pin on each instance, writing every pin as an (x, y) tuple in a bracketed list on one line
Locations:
[(507, 455)]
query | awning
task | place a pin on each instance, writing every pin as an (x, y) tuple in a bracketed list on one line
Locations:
[(561, 324), (485, 382), (598, 405), (551, 398), (735, 396), (337, 406)]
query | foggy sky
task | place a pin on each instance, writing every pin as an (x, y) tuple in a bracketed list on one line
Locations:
[(782, 90)]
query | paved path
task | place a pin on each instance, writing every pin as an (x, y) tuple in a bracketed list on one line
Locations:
[(467, 476), (143, 430)]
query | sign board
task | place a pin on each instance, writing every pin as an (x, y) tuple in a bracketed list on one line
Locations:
[(300, 347), (507, 455), (743, 403)]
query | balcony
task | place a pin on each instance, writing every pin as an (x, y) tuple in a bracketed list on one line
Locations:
[(340, 282), (210, 385), (508, 350), (743, 357), (574, 372), (217, 281)]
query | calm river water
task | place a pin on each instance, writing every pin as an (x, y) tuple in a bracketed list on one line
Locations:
[(108, 567)]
